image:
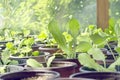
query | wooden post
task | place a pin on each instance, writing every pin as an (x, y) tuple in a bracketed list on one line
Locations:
[(103, 13)]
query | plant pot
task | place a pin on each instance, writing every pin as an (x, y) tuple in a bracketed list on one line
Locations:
[(41, 58), (98, 75), (108, 62), (12, 68), (73, 79), (49, 49), (63, 67), (43, 75), (72, 60), (44, 47), (86, 69), (35, 47)]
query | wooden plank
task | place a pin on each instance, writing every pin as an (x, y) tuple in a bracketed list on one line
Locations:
[(103, 13)]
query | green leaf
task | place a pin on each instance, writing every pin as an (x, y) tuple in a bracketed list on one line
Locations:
[(2, 69), (29, 41), (97, 39), (49, 61), (59, 38), (87, 61), (33, 63), (9, 45), (97, 54), (57, 34), (74, 27), (35, 53), (83, 46)]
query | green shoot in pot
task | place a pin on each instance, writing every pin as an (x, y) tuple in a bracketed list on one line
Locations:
[(61, 40), (35, 64)]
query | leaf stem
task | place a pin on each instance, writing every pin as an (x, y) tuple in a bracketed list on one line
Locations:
[(111, 51)]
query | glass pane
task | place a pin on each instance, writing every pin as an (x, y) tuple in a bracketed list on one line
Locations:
[(114, 9), (19, 14), (83, 10)]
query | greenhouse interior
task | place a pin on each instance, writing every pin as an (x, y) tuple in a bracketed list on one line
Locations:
[(59, 40)]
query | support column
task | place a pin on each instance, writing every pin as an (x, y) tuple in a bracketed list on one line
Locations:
[(103, 13)]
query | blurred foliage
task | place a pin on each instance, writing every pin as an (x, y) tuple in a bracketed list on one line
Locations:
[(35, 15)]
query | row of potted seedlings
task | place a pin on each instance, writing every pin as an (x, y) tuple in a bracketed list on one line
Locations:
[(78, 54)]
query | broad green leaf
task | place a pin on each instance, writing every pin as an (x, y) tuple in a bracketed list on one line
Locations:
[(83, 46), (97, 54), (59, 38), (33, 63), (57, 34), (49, 61), (74, 27), (87, 61), (83, 37), (97, 39)]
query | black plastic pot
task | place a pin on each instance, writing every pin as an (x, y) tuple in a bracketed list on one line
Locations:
[(44, 47), (41, 58), (72, 60), (86, 69), (51, 75), (49, 49), (63, 67), (73, 79), (98, 75)]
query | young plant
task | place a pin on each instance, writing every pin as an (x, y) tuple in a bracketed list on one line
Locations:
[(88, 59), (4, 61), (35, 64), (22, 48), (64, 40)]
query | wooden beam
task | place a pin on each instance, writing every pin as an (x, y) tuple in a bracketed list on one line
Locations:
[(103, 13)]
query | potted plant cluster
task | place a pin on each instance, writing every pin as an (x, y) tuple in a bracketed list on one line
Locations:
[(97, 64), (7, 65), (46, 43), (67, 40), (22, 50), (78, 53), (65, 68)]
